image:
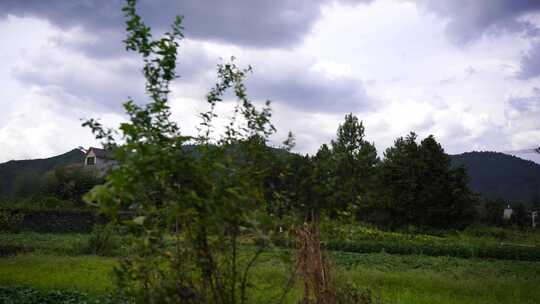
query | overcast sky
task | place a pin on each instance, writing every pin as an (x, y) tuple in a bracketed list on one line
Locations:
[(465, 71)]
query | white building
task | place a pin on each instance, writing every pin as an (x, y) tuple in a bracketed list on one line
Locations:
[(98, 159), (507, 214)]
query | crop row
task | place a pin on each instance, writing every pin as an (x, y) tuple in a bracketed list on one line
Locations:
[(464, 250)]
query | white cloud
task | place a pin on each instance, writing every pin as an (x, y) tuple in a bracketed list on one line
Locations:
[(41, 125)]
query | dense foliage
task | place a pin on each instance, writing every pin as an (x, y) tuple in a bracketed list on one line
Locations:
[(23, 178), (414, 184), (419, 187), (49, 220), (492, 175), (52, 183), (335, 182), (70, 183), (353, 160)]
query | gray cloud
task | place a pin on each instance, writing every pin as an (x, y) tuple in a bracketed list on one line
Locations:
[(254, 23), (311, 91), (101, 87), (522, 114), (425, 124), (530, 63), (103, 83), (470, 71), (526, 105), (469, 20), (107, 82)]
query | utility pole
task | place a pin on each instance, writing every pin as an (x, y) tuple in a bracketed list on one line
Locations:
[(534, 216)]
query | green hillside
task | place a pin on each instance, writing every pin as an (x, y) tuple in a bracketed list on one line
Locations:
[(20, 176), (498, 175)]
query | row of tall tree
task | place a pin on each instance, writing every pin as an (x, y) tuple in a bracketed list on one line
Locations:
[(414, 184)]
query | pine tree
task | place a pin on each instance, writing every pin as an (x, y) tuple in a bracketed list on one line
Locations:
[(323, 177), (354, 161), (399, 181), (419, 187)]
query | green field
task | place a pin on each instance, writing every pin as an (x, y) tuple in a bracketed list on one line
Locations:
[(393, 278)]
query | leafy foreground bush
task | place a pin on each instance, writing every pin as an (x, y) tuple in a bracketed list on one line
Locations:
[(28, 295), (205, 190)]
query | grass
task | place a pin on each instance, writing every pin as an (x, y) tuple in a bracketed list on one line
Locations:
[(397, 279), (46, 243), (89, 274), (56, 263), (499, 235), (421, 279), (428, 287)]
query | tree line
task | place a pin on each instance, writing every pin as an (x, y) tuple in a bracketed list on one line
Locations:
[(414, 184)]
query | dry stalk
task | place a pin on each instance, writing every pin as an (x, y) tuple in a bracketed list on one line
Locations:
[(312, 266)]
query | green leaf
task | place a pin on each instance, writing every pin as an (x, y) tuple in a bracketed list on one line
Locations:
[(139, 220)]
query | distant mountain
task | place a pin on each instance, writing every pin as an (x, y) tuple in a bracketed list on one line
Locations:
[(499, 175), (16, 175)]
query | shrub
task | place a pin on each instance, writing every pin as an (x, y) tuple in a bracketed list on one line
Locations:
[(51, 202), (10, 250), (349, 293), (45, 220), (11, 221), (40, 203), (209, 194), (27, 295), (104, 241)]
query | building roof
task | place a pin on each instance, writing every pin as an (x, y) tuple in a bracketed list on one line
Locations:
[(100, 153)]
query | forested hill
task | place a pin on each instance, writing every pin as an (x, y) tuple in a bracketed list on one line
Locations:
[(498, 175), (20, 175)]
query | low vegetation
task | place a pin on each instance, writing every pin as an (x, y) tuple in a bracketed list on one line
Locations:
[(392, 278), (58, 265)]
